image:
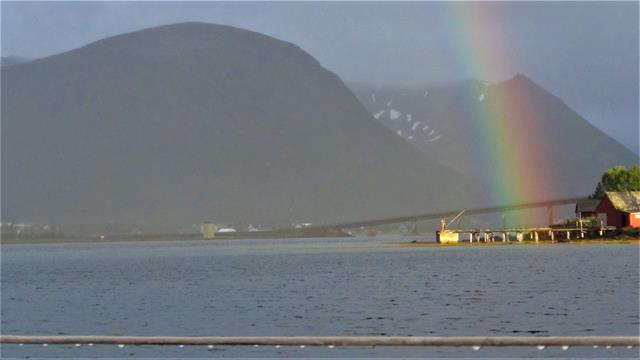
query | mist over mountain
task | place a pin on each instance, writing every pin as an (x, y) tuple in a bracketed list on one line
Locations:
[(190, 122), (13, 60), (449, 123)]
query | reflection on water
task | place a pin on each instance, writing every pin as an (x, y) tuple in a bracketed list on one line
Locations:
[(317, 287)]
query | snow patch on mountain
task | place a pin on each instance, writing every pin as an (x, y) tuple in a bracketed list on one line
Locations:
[(481, 97), (378, 114), (415, 126), (394, 114)]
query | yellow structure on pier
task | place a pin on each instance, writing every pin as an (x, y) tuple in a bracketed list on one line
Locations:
[(445, 236)]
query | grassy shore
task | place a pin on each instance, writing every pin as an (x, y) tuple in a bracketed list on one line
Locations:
[(86, 240), (240, 235), (190, 237), (607, 241)]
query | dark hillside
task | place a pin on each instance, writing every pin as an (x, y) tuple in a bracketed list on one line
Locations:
[(183, 123)]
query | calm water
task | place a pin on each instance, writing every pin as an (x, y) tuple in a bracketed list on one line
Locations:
[(317, 287)]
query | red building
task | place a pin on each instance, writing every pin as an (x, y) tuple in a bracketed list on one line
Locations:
[(619, 209)]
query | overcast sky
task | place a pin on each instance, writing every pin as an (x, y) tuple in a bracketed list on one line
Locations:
[(585, 53)]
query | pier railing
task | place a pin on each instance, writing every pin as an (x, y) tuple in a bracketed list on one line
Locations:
[(331, 341)]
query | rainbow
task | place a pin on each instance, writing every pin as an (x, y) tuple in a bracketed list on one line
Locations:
[(508, 138)]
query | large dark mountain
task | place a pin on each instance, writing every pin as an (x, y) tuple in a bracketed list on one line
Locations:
[(189, 122), (449, 123)]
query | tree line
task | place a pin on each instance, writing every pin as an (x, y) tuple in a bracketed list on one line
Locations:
[(618, 178)]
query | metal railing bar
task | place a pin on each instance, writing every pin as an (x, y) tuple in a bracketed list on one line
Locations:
[(330, 340)]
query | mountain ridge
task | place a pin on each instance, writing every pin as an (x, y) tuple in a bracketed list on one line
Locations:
[(575, 152)]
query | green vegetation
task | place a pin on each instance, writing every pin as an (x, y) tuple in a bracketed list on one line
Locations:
[(618, 178)]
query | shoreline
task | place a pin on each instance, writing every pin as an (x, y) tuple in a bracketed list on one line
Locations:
[(407, 244), (598, 241)]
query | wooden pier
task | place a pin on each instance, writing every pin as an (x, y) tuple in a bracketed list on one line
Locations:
[(526, 234)]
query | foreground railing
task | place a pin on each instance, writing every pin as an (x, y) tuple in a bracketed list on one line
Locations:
[(475, 341)]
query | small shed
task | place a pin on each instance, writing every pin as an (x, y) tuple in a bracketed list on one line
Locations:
[(208, 230), (619, 209), (586, 208)]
